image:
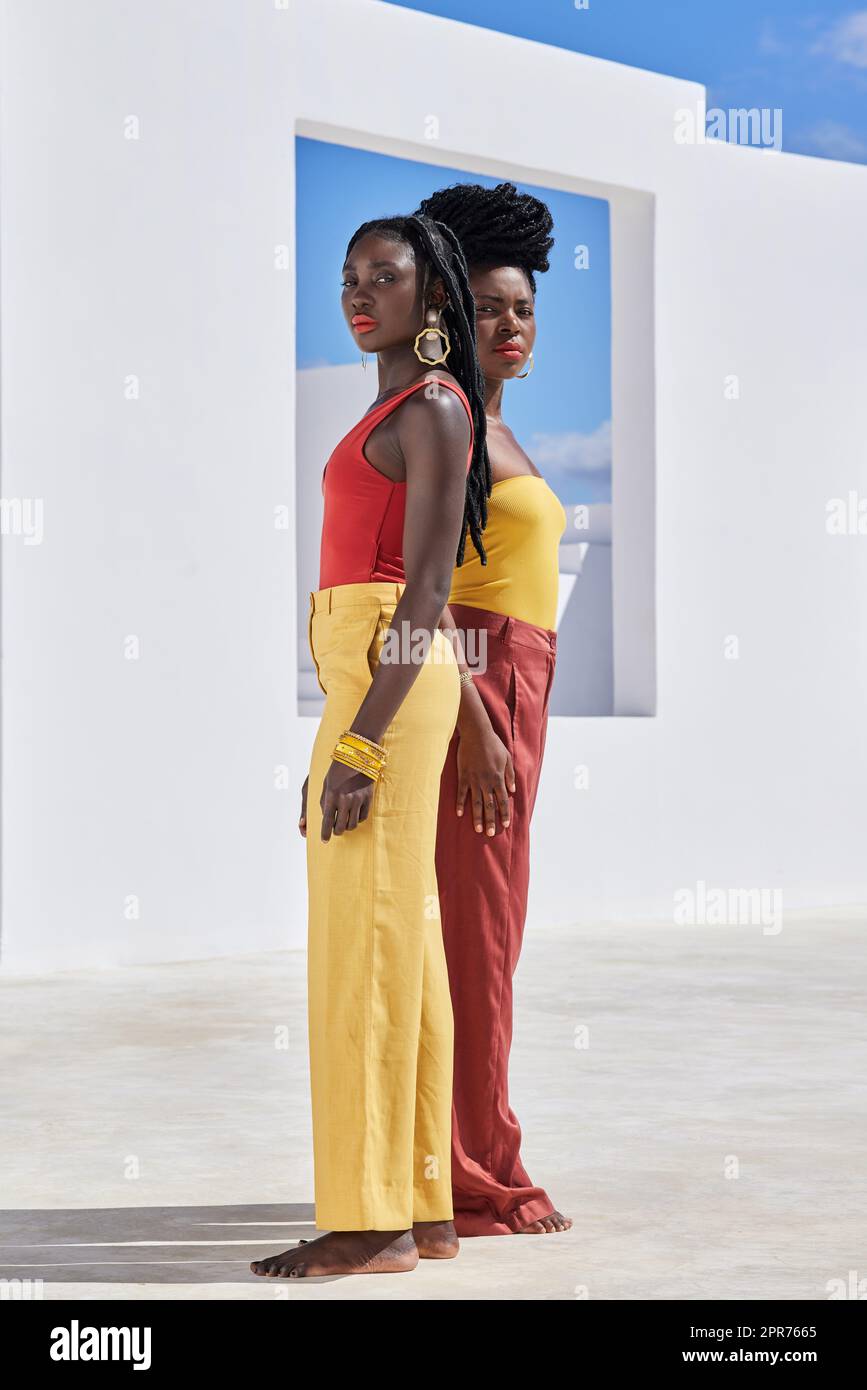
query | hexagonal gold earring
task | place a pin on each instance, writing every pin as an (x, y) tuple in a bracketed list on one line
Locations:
[(432, 331)]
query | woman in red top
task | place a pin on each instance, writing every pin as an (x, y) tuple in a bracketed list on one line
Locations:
[(401, 491)]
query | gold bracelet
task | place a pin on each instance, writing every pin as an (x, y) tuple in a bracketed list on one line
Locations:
[(349, 759), (352, 737), (360, 753), (362, 756), (466, 677)]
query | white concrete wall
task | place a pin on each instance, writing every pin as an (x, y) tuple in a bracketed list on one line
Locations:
[(155, 257)]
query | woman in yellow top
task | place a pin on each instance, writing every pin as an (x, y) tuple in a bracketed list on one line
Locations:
[(504, 611)]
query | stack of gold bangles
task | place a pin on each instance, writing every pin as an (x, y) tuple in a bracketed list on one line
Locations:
[(361, 753)]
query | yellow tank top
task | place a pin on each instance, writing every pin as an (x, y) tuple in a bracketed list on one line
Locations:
[(522, 538)]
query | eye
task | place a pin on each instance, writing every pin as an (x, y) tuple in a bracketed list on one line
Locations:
[(384, 275)]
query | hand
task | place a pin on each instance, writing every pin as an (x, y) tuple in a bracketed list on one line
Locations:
[(345, 800), (486, 771), (302, 820)]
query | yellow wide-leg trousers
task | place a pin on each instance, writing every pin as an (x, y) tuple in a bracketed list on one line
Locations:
[(379, 1009)]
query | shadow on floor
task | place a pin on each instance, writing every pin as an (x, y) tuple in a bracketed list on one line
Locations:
[(147, 1245)]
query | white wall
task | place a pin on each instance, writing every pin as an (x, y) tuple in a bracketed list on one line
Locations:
[(153, 257), (156, 257)]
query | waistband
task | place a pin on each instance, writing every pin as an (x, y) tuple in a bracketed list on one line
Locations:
[(355, 595), (508, 630)]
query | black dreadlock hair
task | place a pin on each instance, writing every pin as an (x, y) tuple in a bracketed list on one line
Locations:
[(495, 226), (439, 252)]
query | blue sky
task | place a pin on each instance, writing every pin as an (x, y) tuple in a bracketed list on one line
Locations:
[(561, 412), (808, 59)]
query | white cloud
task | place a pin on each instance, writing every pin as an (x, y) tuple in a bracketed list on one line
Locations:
[(837, 141), (769, 40), (572, 452), (846, 41)]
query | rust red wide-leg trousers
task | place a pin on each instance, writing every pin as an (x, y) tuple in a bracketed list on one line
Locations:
[(483, 884)]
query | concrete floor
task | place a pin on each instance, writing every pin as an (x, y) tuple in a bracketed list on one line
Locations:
[(709, 1142)]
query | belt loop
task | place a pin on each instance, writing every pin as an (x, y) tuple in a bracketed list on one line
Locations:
[(507, 630)]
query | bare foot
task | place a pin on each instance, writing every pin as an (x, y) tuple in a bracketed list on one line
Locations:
[(436, 1240), (554, 1221), (343, 1252)]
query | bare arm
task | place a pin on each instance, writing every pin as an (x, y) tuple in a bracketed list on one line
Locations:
[(472, 711), (434, 436), (484, 764), (433, 433)]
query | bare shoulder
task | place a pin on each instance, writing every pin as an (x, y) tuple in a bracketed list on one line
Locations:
[(436, 407)]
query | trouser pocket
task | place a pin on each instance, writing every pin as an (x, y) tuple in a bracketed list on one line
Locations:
[(344, 644), (512, 700), (312, 652)]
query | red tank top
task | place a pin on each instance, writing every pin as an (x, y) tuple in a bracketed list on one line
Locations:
[(362, 524)]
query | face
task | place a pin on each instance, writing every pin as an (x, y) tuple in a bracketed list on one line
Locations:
[(381, 297), (505, 320)]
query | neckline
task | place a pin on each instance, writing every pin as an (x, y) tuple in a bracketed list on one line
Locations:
[(422, 381), (513, 478), (413, 385)]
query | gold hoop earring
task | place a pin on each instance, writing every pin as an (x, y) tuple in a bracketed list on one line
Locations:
[(432, 331), (521, 375)]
